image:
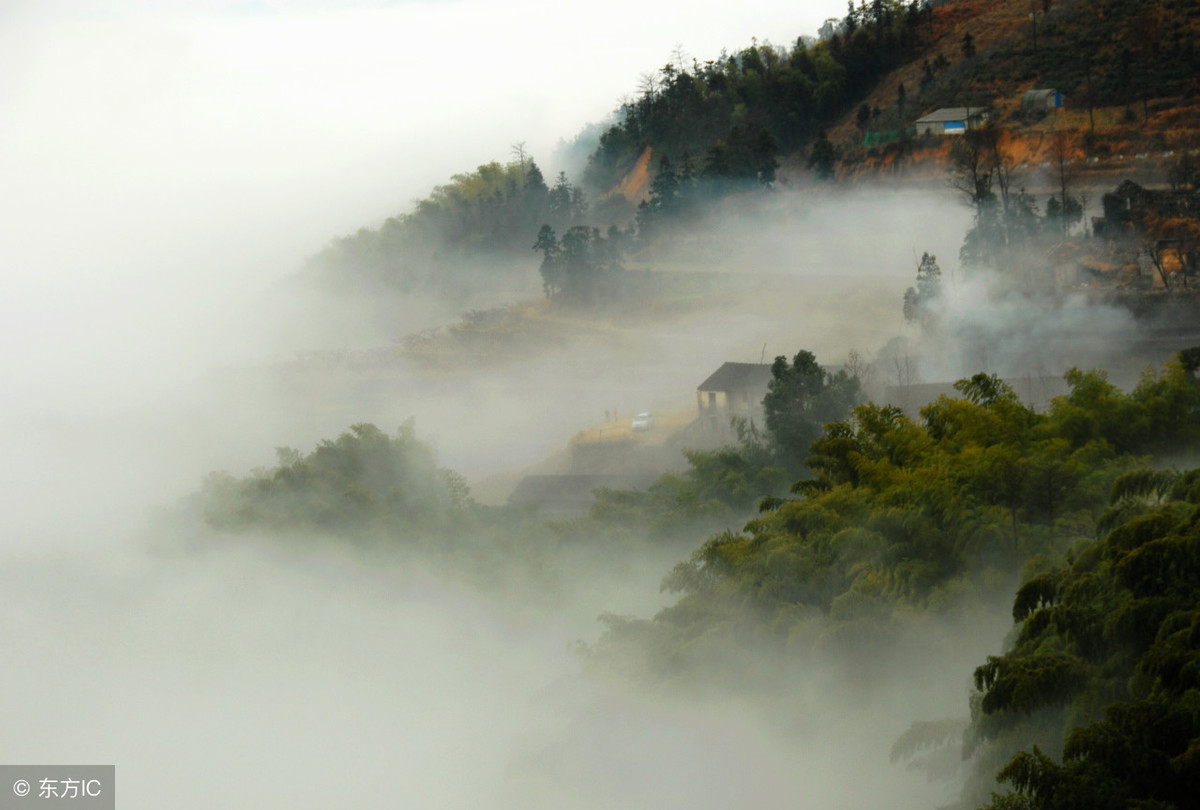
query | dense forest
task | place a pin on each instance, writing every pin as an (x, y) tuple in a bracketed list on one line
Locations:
[(729, 117)]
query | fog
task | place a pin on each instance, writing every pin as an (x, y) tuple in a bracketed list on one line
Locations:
[(166, 173)]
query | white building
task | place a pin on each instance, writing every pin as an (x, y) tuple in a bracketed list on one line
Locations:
[(951, 120)]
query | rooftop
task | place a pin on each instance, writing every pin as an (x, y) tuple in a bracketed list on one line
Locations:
[(736, 376), (952, 114)]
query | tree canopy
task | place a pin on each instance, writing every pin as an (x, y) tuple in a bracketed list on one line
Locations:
[(1110, 645), (902, 514), (801, 398)]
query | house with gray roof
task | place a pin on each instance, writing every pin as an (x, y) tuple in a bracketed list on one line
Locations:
[(735, 389), (1041, 100), (951, 120)]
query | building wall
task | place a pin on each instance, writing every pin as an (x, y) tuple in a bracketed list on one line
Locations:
[(711, 402), (942, 128), (746, 404)]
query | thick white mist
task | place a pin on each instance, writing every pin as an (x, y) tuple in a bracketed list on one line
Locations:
[(164, 171), (165, 165)]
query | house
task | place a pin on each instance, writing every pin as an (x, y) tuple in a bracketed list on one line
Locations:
[(1129, 205), (1129, 209), (1041, 100), (733, 390), (951, 120)]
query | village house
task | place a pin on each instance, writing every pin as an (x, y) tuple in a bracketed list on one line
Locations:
[(1155, 231), (1036, 101), (733, 390), (951, 120), (1127, 207)]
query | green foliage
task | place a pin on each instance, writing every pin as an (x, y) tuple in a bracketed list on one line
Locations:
[(719, 486), (924, 735), (862, 118), (1159, 416), (745, 159), (741, 110), (906, 515), (1113, 643), (1060, 217), (1006, 218), (673, 197), (801, 399), (920, 302), (490, 212), (383, 497), (823, 157), (362, 481), (968, 45), (583, 265), (1103, 52)]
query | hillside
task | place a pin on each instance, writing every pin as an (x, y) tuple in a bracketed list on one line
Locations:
[(839, 108), (1127, 72)]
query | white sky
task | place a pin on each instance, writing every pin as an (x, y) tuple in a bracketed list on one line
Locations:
[(164, 161), (163, 158), (373, 98)]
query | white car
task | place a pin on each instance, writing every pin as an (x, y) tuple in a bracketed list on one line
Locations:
[(643, 421)]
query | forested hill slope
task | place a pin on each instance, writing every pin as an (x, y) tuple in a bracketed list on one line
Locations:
[(887, 63), (846, 103)]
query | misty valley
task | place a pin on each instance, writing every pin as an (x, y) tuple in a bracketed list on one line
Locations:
[(819, 429)]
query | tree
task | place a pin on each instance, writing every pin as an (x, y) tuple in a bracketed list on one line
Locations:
[(579, 203), (1107, 647), (801, 399), (863, 117), (662, 203), (362, 482), (763, 151), (1004, 217), (559, 197), (1089, 92), (1144, 32), (927, 74), (822, 157), (746, 157), (919, 300), (551, 269), (968, 45), (535, 197), (904, 517), (521, 156), (1184, 172), (1064, 155), (581, 263), (665, 186), (973, 161)]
